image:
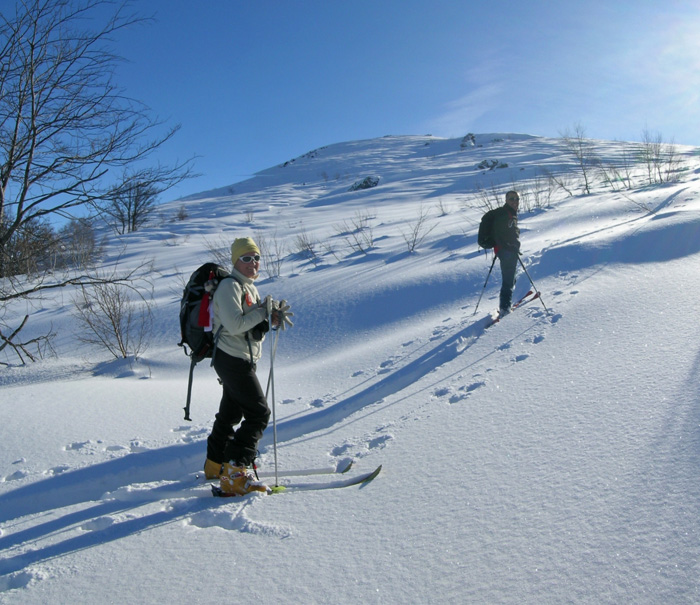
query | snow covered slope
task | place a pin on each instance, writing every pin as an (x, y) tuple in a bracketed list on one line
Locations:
[(550, 458)]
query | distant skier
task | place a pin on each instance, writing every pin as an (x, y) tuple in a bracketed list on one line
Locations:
[(506, 234), (241, 317)]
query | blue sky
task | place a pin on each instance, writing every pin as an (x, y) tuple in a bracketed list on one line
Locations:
[(257, 82)]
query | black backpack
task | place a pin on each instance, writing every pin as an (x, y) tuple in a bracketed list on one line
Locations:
[(485, 238), (194, 316), (194, 311)]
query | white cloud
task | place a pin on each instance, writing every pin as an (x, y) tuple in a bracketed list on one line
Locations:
[(458, 116)]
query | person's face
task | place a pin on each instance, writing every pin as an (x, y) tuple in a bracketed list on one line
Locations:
[(513, 202), (248, 264)]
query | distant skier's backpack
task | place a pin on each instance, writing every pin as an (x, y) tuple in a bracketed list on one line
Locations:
[(196, 318), (485, 238)]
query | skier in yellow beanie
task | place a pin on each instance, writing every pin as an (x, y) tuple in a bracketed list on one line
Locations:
[(241, 321)]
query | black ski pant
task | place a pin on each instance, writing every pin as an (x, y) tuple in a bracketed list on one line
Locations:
[(242, 399)]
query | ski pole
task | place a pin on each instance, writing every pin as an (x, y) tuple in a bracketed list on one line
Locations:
[(486, 282), (271, 388), (539, 295), (189, 391)]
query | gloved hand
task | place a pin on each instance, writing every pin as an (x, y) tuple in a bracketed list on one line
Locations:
[(267, 303), (281, 315)]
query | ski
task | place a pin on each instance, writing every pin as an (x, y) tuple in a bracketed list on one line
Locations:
[(299, 487), (303, 472), (523, 300), (300, 472), (527, 298)]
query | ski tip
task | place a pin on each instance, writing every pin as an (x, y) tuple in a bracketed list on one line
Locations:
[(373, 474), (344, 466), (277, 489)]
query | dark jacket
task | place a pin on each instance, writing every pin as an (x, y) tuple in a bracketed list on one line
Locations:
[(505, 229)]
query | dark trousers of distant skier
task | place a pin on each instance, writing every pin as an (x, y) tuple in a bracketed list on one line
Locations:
[(508, 260), (242, 398)]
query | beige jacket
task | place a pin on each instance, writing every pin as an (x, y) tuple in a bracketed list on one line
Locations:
[(236, 309)]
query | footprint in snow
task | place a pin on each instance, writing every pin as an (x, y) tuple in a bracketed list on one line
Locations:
[(341, 449), (379, 442), (99, 524), (358, 450), (385, 366), (21, 579), (466, 391), (238, 521), (78, 445), (57, 470), (17, 475)]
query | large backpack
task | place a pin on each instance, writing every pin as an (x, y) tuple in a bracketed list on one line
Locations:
[(195, 318), (485, 238)]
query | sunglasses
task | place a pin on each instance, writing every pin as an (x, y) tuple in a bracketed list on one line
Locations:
[(250, 258)]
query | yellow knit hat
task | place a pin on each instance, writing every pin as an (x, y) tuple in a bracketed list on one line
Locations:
[(242, 245)]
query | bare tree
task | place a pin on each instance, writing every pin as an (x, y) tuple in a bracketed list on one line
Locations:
[(273, 251), (662, 160), (78, 244), (130, 206), (306, 246), (650, 153), (584, 153), (417, 231), (488, 199), (68, 134), (30, 247), (620, 170), (558, 181), (220, 249), (114, 316), (358, 233)]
